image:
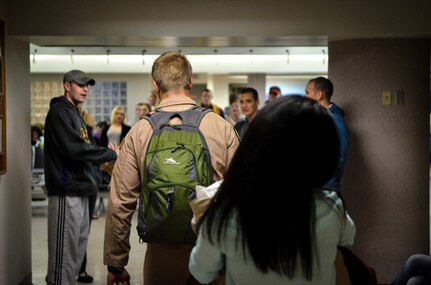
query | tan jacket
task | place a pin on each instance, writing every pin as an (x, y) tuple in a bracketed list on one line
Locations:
[(128, 172)]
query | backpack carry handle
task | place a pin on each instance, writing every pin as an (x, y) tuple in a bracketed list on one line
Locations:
[(191, 116)]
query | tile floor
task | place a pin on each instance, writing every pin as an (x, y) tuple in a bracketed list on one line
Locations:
[(95, 265)]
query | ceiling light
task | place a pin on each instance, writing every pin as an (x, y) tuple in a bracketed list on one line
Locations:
[(324, 56), (143, 56), (34, 56), (215, 54), (239, 60), (71, 56), (108, 52)]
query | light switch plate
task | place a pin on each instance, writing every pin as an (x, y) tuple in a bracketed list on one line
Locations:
[(399, 97), (386, 98)]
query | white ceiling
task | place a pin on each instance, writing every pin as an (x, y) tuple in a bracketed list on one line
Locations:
[(291, 60)]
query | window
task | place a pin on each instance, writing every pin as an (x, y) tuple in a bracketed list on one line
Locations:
[(104, 96), (41, 94)]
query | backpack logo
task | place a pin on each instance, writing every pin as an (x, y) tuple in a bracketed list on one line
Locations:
[(171, 161)]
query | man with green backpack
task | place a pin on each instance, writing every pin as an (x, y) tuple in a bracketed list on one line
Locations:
[(162, 159)]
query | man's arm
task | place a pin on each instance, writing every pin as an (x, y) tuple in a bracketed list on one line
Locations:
[(72, 143), (344, 141), (118, 277), (123, 195), (233, 143), (222, 142)]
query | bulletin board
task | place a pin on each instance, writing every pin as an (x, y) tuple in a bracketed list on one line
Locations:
[(2, 101)]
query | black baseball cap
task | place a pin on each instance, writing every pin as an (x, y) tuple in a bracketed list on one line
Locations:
[(79, 77)]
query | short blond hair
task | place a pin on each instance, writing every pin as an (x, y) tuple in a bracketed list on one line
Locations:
[(172, 71), (116, 108)]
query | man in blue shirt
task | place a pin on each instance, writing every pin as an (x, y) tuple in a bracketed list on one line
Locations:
[(321, 89)]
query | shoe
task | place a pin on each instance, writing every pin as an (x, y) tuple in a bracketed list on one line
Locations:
[(95, 217), (85, 278)]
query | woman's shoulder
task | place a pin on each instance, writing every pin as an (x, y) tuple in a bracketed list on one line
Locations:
[(329, 200), (230, 226), (230, 235), (330, 195)]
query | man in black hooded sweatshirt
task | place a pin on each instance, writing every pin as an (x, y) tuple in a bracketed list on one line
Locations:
[(69, 177)]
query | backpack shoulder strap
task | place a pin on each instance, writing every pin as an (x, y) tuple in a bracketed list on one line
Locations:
[(159, 118), (192, 116)]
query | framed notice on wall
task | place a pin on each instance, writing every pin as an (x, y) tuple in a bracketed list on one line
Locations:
[(1, 136), (2, 101)]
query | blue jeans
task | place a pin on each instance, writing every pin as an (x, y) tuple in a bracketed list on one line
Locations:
[(416, 271)]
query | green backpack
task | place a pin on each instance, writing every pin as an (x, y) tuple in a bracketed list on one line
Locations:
[(177, 160)]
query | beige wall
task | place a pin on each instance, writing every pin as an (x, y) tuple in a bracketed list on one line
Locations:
[(221, 88), (15, 195), (386, 182)]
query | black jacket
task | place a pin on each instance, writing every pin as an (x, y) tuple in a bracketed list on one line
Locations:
[(68, 152), (241, 127), (104, 135)]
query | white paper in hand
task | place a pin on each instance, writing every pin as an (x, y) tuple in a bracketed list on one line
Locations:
[(207, 192)]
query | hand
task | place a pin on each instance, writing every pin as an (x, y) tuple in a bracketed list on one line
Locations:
[(114, 147), (122, 278)]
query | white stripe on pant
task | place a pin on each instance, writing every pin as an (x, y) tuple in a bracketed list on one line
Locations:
[(68, 230)]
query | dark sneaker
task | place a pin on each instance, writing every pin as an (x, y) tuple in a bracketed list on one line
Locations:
[(85, 278)]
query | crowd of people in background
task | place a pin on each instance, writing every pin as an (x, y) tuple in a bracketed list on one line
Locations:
[(242, 110), (307, 215), (239, 113)]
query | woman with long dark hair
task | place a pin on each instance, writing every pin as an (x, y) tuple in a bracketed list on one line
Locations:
[(270, 222)]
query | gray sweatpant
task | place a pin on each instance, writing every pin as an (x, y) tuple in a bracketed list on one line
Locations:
[(68, 230)]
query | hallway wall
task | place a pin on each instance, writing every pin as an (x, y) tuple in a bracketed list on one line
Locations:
[(127, 22), (386, 182), (15, 198)]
